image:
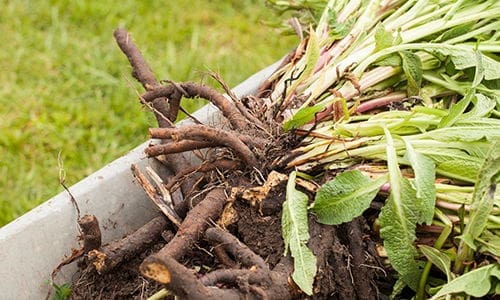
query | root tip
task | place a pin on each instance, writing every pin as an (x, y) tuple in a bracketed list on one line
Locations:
[(156, 271)]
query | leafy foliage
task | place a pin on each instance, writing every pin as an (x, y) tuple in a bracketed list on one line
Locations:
[(398, 220), (345, 197), (476, 283), (62, 292), (425, 174), (296, 234), (412, 67)]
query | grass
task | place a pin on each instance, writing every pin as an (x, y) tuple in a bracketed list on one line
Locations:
[(65, 86)]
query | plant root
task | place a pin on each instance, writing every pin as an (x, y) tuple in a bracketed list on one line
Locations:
[(362, 281), (111, 255), (249, 264), (222, 164), (184, 283), (164, 108), (177, 147), (341, 247), (258, 282), (204, 133), (91, 234), (191, 230), (194, 90), (241, 252), (142, 72)]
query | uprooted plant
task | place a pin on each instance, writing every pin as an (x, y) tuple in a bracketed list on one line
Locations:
[(370, 156)]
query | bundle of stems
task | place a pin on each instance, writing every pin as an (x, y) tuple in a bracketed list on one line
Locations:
[(402, 99)]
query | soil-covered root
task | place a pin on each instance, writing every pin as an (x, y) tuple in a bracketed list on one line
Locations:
[(256, 282), (191, 230), (109, 256)]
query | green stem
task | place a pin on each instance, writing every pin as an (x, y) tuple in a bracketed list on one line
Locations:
[(161, 294), (438, 245)]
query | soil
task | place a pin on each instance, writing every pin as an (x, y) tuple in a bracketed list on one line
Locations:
[(125, 282), (339, 275)]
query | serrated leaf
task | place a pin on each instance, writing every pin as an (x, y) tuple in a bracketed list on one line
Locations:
[(302, 117), (412, 68), (295, 232), (398, 221), (483, 197), (465, 57), (345, 197), (466, 133), (439, 259), (465, 170), (425, 174), (476, 283), (383, 38)]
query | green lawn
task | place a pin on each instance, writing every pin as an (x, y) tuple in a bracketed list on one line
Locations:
[(65, 86)]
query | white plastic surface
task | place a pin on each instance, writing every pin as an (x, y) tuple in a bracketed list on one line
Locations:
[(34, 244)]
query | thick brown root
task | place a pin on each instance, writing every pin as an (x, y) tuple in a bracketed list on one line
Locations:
[(111, 255), (194, 90), (191, 230), (207, 134), (231, 244), (91, 233), (177, 147)]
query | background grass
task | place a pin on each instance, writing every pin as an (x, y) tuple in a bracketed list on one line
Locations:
[(64, 84)]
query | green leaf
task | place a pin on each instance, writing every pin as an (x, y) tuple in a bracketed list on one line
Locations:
[(392, 60), (476, 283), (295, 231), (302, 117), (398, 221), (490, 242), (465, 170), (483, 197), (456, 110), (439, 259), (479, 72), (425, 174), (345, 197), (397, 289), (483, 106), (412, 67), (465, 57), (383, 38), (454, 32), (62, 292), (466, 133)]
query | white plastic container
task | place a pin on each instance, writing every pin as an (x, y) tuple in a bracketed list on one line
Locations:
[(35, 243)]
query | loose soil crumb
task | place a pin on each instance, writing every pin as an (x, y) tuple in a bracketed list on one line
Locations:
[(260, 233), (125, 282)]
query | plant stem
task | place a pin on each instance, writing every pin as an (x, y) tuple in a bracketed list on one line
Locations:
[(445, 233), (161, 294)]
